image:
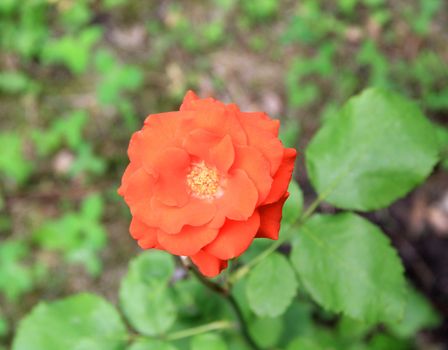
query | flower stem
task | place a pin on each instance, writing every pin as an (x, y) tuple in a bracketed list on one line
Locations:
[(213, 326), (226, 294), (310, 210)]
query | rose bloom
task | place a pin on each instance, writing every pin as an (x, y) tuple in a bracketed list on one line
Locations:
[(204, 181)]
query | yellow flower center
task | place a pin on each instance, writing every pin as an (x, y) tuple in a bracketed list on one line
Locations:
[(203, 181)]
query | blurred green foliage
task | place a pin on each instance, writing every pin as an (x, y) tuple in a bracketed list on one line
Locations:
[(14, 167), (64, 131), (17, 277), (78, 235)]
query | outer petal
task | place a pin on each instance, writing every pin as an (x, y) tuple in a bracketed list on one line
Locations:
[(134, 148), (282, 177), (270, 218), (208, 264), (161, 131), (234, 238), (171, 219), (172, 167), (262, 121), (130, 170), (145, 235), (140, 187), (188, 101), (240, 197), (192, 102), (262, 135), (216, 119), (257, 168), (188, 241)]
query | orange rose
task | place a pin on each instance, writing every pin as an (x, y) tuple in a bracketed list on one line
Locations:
[(205, 181)]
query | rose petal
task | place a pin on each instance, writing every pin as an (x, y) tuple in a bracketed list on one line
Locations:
[(172, 168), (260, 120), (208, 264), (137, 228), (222, 155), (216, 119), (234, 238), (140, 187), (130, 170), (198, 143), (282, 177), (257, 168), (270, 218), (192, 102), (188, 241), (145, 235), (261, 134), (171, 219), (189, 98), (239, 198), (134, 148), (161, 131), (149, 241)]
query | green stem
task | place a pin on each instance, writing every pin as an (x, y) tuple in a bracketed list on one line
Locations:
[(213, 326), (226, 294), (243, 326), (310, 210), (241, 272)]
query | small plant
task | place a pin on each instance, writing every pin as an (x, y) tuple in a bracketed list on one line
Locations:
[(266, 299)]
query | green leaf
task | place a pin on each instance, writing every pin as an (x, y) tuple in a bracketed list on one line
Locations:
[(149, 344), (257, 247), (442, 137), (377, 149), (70, 127), (109, 4), (289, 133), (80, 236), (144, 294), (419, 314), (92, 207), (87, 161), (323, 338), (76, 15), (347, 265), (14, 82), (351, 329), (74, 52), (298, 320), (386, 342), (208, 341), (302, 343), (83, 321), (4, 328), (266, 331), (12, 161), (261, 10), (236, 342), (195, 304), (271, 286), (293, 206), (116, 78), (16, 278)]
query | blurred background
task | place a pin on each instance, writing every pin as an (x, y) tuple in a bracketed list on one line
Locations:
[(77, 77)]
